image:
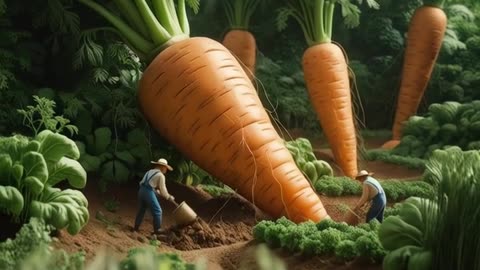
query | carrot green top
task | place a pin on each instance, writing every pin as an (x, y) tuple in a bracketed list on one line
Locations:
[(148, 26), (435, 3), (239, 12), (316, 17)]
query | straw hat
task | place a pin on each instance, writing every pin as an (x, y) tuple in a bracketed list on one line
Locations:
[(363, 173), (162, 162)]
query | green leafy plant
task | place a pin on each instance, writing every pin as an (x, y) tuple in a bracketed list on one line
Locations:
[(148, 258), (265, 259), (190, 174), (387, 156), (29, 171), (395, 190), (324, 238), (117, 160), (42, 116), (216, 190), (302, 152), (447, 124), (284, 94), (418, 237), (112, 205), (31, 248)]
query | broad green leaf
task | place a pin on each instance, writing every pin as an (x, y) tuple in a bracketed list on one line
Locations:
[(5, 168), (36, 171), (11, 199), (70, 170), (398, 259), (54, 146), (14, 146), (115, 170), (32, 146), (81, 147), (127, 157), (34, 184), (395, 233), (90, 163), (103, 138), (17, 172), (62, 209), (136, 137), (420, 260)]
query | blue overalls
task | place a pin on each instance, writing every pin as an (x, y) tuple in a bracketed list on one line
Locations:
[(148, 199), (378, 202)]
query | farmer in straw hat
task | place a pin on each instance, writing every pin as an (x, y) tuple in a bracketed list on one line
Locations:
[(372, 191), (153, 180)]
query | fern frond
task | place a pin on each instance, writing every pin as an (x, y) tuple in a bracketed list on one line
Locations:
[(72, 105), (350, 13), (370, 3), (194, 5), (282, 17), (89, 51), (3, 7), (100, 75), (5, 78)]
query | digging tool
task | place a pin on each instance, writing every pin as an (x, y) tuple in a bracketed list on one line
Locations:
[(183, 214)]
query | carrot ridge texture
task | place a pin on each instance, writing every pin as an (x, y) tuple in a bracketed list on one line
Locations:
[(424, 41), (242, 44), (196, 94), (326, 77)]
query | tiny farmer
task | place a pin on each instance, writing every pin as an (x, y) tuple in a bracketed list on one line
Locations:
[(153, 181), (371, 191)]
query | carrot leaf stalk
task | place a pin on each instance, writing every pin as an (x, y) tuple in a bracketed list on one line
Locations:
[(239, 12), (148, 26), (434, 3), (316, 17)]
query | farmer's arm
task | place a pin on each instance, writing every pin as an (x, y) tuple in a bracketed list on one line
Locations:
[(162, 188), (364, 197)]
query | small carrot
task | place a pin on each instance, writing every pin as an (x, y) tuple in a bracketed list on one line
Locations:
[(326, 74), (238, 39), (242, 44), (195, 94), (424, 41)]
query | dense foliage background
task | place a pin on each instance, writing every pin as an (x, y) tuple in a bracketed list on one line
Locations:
[(46, 50)]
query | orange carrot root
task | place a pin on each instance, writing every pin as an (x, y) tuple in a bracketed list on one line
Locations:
[(326, 77), (242, 44), (425, 37), (197, 96)]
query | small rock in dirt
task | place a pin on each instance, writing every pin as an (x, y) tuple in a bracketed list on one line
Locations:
[(197, 226), (201, 235), (162, 238), (77, 244), (141, 239)]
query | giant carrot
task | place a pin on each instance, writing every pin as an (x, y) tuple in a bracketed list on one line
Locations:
[(326, 75), (424, 41), (195, 94), (238, 39)]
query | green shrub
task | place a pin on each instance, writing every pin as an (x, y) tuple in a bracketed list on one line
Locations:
[(31, 168)]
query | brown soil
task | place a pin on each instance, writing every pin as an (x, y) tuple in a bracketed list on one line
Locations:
[(222, 235)]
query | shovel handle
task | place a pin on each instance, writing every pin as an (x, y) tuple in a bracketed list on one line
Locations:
[(174, 202)]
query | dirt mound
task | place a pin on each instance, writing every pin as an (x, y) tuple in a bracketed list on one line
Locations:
[(202, 235), (222, 221)]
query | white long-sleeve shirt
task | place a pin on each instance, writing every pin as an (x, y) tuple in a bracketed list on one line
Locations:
[(158, 182)]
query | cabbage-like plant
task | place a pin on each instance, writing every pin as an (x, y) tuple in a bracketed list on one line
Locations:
[(29, 171)]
